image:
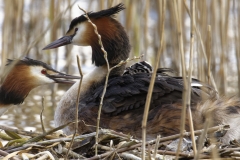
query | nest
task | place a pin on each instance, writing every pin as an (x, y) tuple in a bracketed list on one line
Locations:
[(112, 145)]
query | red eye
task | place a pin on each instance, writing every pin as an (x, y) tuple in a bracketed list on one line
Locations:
[(43, 71)]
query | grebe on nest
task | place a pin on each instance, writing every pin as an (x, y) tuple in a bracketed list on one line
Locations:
[(125, 97)]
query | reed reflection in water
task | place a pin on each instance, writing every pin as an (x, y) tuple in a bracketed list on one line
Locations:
[(27, 115)]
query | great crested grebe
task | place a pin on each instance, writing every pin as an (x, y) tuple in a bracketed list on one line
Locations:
[(126, 93), (25, 75)]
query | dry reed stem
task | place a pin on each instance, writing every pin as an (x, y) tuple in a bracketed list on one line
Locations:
[(184, 155), (126, 61), (151, 85), (201, 139), (3, 153), (156, 146), (104, 147), (237, 39), (209, 51), (77, 102), (72, 154), (11, 157), (40, 137), (224, 13), (145, 28), (129, 156), (189, 77), (41, 114), (148, 152), (107, 76), (46, 142), (214, 150), (180, 43)]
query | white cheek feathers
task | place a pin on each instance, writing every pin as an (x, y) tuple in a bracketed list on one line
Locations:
[(39, 78), (80, 36)]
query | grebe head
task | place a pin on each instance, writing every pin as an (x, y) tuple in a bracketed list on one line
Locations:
[(113, 35), (26, 74)]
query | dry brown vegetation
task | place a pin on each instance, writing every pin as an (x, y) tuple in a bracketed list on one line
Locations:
[(27, 26)]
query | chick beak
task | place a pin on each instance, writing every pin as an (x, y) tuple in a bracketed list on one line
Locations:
[(60, 42), (62, 78)]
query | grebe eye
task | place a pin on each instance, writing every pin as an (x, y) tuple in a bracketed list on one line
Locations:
[(43, 71), (76, 29)]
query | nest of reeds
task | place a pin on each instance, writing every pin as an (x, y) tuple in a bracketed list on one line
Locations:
[(112, 145)]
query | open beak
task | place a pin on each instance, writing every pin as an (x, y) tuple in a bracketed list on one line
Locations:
[(60, 42), (62, 78)]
